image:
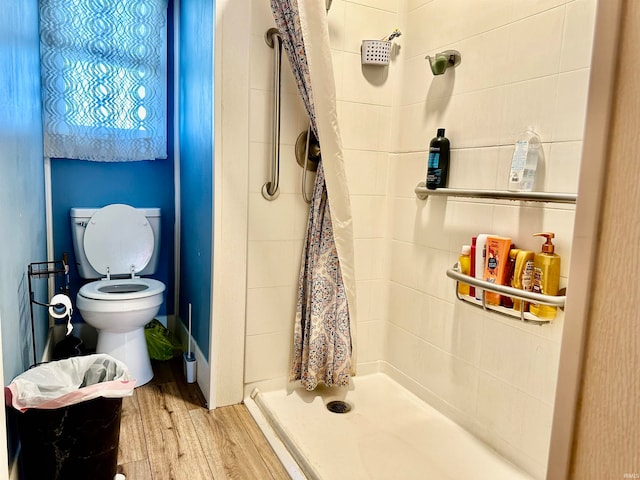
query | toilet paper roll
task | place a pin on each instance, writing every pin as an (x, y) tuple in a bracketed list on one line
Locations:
[(60, 306)]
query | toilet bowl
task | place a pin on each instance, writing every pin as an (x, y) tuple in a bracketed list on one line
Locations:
[(118, 241), (119, 310)]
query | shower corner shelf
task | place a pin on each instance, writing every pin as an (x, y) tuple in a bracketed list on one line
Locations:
[(555, 301), (422, 192)]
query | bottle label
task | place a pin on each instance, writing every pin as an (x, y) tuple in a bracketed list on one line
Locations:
[(492, 263), (433, 175), (434, 159), (519, 160), (537, 280), (527, 276)]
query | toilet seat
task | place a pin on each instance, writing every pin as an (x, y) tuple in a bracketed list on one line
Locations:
[(122, 289), (118, 240)]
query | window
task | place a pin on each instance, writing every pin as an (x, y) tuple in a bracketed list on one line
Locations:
[(104, 79)]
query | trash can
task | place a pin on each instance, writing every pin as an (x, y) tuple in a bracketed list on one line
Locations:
[(69, 420)]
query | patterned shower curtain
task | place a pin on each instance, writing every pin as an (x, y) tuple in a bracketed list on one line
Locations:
[(323, 347)]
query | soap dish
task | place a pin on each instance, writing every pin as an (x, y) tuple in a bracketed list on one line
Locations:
[(376, 52)]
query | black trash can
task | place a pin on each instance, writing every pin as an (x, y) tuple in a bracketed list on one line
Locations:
[(71, 443), (77, 441)]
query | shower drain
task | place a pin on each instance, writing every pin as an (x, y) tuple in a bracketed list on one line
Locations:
[(338, 406)]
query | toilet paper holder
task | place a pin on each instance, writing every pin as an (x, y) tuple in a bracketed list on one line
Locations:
[(60, 304)]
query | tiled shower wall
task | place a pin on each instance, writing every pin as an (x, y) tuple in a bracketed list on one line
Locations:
[(276, 229), (523, 63)]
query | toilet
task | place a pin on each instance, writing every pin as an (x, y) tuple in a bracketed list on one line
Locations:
[(117, 245)]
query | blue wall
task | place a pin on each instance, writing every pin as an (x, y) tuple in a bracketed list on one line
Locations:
[(21, 181), (21, 188), (78, 183), (196, 165)]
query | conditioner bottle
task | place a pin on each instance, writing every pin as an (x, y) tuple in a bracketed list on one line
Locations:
[(546, 277), (438, 166), (495, 267)]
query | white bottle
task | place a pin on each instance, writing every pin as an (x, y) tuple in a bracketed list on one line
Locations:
[(481, 250), (526, 156)]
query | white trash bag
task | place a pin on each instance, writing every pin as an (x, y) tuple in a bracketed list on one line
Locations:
[(69, 381)]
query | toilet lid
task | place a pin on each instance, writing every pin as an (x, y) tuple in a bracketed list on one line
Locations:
[(117, 237)]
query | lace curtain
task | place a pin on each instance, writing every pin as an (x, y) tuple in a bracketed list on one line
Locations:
[(104, 79)]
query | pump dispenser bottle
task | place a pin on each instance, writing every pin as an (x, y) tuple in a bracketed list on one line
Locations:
[(546, 276), (438, 166)]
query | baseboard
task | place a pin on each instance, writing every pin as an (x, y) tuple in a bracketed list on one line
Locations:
[(203, 370)]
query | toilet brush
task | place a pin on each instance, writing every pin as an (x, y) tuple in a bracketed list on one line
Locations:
[(189, 357)]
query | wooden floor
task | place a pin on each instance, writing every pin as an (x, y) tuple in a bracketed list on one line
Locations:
[(167, 433)]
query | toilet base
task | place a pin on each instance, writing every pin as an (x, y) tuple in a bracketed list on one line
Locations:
[(130, 348)]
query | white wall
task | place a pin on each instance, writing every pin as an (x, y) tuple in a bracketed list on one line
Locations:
[(524, 62)]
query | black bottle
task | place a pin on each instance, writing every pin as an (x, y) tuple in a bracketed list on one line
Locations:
[(438, 166)]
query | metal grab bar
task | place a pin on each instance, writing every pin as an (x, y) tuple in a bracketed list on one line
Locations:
[(422, 192), (270, 190), (524, 296)]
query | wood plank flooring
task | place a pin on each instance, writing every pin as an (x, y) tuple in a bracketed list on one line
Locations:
[(167, 433)]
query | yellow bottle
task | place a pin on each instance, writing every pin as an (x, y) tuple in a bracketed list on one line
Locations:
[(523, 276), (506, 301), (546, 276), (465, 267)]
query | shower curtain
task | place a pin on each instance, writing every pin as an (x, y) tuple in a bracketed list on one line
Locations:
[(324, 332)]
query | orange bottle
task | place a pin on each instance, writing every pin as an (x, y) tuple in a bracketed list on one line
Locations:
[(495, 266)]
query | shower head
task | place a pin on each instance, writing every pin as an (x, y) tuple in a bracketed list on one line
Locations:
[(328, 4)]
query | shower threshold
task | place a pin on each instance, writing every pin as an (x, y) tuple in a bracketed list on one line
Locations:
[(389, 433)]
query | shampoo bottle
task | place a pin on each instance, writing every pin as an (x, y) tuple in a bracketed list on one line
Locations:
[(438, 166), (526, 156), (495, 267), (546, 276)]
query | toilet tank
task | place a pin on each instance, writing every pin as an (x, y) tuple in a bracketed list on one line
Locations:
[(80, 218)]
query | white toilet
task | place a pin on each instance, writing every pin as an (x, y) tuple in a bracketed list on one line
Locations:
[(117, 244)]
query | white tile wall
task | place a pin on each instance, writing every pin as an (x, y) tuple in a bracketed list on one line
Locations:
[(499, 410), (570, 105), (523, 63), (576, 50), (364, 22)]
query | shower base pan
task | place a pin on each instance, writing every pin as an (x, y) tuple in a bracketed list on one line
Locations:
[(388, 433)]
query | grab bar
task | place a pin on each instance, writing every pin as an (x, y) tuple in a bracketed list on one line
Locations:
[(270, 190)]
